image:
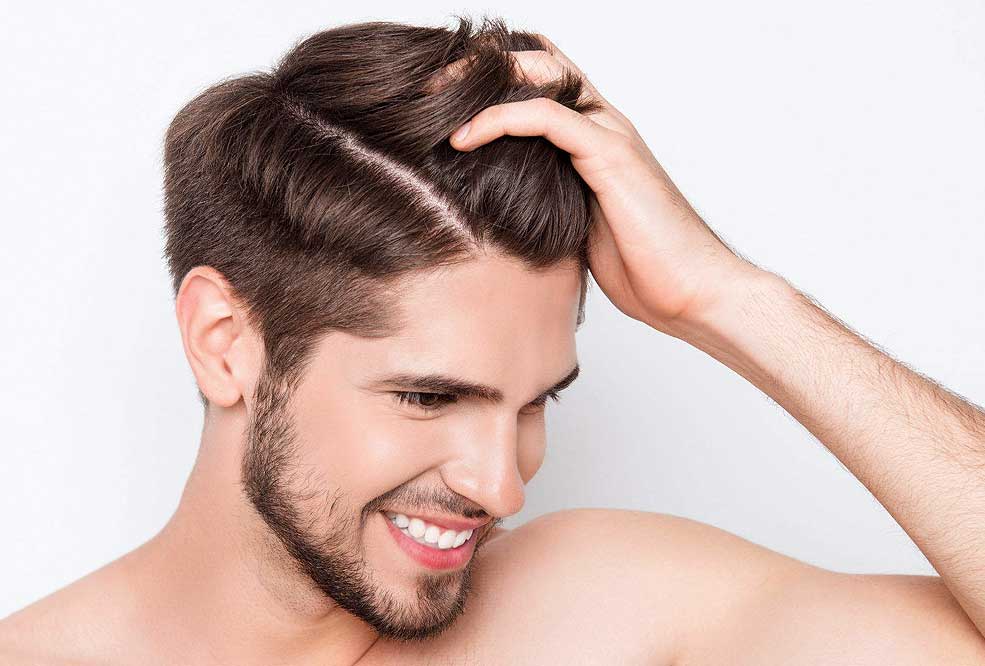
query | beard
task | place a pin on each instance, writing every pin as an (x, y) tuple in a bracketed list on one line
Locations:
[(333, 558)]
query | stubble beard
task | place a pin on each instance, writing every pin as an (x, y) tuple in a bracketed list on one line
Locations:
[(333, 562)]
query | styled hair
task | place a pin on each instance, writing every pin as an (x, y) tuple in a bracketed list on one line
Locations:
[(312, 188)]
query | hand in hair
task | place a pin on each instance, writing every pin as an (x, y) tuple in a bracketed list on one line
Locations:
[(650, 252)]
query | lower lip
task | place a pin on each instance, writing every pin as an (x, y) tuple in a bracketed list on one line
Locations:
[(433, 558)]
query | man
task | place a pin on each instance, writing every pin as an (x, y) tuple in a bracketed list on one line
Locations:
[(344, 505)]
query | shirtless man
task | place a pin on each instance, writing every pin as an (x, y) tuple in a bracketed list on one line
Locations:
[(283, 551)]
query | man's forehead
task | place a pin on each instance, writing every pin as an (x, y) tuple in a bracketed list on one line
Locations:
[(472, 320), (482, 290)]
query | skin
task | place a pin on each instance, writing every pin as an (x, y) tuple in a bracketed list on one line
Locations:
[(646, 588), (354, 451)]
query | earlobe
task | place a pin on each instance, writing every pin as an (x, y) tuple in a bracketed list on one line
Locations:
[(212, 328)]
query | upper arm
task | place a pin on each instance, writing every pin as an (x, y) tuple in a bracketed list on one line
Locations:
[(804, 614), (684, 592), (826, 617)]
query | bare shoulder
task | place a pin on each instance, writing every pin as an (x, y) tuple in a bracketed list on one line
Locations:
[(33, 635), (75, 624), (594, 586), (634, 587)]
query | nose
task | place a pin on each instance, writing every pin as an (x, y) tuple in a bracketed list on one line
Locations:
[(485, 467)]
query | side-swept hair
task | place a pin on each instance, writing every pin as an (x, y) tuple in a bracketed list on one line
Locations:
[(314, 186)]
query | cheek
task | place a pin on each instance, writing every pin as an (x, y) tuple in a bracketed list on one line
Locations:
[(348, 443), (362, 449)]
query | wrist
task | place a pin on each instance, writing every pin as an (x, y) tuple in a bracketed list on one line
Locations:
[(749, 306), (738, 289)]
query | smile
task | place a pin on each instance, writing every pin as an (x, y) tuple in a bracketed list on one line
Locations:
[(427, 545)]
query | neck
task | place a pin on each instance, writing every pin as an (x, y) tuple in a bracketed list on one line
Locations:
[(222, 582)]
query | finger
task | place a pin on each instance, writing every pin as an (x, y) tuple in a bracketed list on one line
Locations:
[(565, 128), (565, 61), (541, 67), (604, 259), (537, 65), (444, 75), (558, 56)]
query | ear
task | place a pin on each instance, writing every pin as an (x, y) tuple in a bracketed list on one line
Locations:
[(219, 344)]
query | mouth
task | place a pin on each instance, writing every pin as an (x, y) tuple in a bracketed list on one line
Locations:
[(426, 549)]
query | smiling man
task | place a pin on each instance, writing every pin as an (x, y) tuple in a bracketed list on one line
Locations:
[(377, 317), (387, 466)]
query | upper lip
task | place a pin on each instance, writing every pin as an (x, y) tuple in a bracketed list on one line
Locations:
[(457, 524)]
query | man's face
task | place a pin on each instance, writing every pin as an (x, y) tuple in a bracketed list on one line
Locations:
[(323, 464)]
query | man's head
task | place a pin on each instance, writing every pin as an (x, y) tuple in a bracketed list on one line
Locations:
[(327, 246)]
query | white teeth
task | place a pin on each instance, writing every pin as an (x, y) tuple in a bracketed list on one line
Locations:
[(447, 539), (428, 535), (416, 527)]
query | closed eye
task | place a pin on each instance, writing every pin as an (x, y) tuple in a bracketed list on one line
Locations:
[(428, 402), (433, 402)]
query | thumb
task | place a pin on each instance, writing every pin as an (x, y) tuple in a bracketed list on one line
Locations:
[(607, 266)]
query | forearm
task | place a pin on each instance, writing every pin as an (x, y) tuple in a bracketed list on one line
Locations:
[(917, 447)]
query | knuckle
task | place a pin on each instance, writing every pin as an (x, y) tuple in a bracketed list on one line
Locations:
[(626, 143), (539, 65), (495, 113), (622, 147), (548, 63), (548, 44), (585, 120), (631, 149), (494, 116), (545, 104)]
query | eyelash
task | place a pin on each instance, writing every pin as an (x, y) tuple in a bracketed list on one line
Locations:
[(412, 398)]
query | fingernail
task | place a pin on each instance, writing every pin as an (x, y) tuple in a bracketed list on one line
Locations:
[(462, 131)]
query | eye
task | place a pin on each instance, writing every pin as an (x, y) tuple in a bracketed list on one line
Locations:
[(541, 402), (431, 402), (427, 402)]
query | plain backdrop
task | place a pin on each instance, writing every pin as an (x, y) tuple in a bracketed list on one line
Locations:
[(840, 144)]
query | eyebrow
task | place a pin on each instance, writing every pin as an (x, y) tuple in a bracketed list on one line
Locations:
[(462, 388)]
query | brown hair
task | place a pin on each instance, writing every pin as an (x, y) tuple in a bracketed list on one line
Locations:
[(312, 187)]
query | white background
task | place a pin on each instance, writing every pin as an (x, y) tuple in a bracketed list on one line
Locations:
[(839, 144)]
